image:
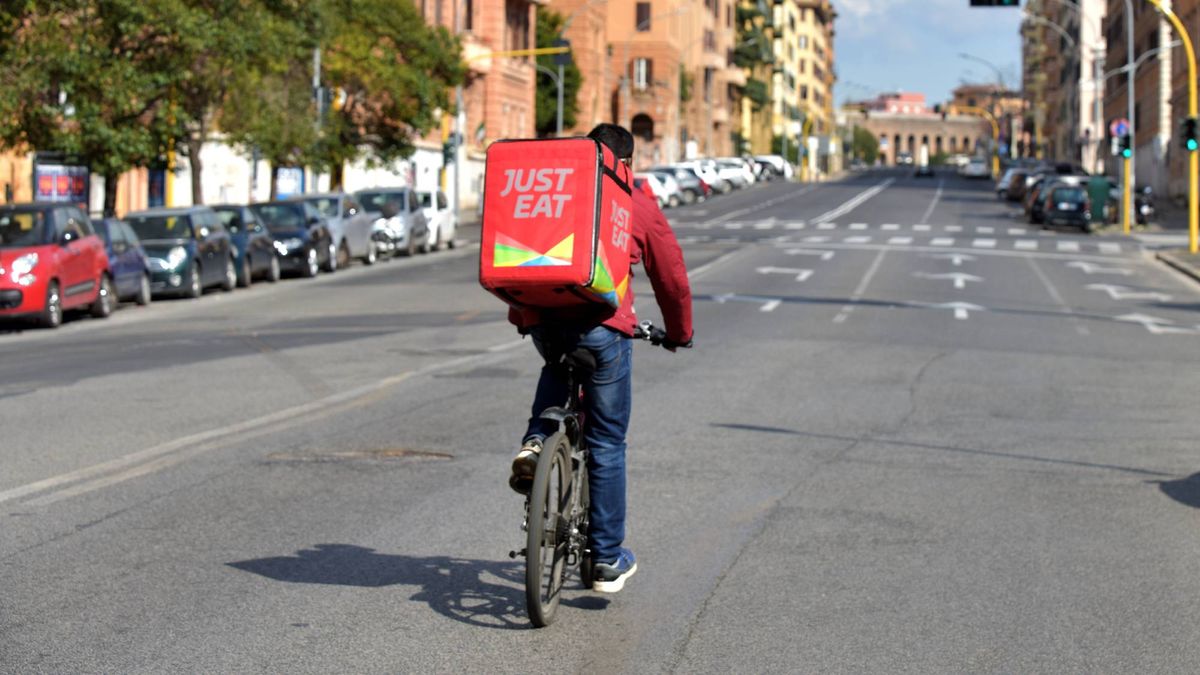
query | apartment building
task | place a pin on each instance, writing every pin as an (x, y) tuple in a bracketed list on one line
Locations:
[(755, 39), (586, 28), (803, 85)]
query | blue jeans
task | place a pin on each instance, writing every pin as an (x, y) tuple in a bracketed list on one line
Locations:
[(607, 398)]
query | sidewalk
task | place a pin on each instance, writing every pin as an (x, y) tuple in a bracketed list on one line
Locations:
[(1181, 260)]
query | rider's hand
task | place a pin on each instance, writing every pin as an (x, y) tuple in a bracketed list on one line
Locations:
[(671, 345)]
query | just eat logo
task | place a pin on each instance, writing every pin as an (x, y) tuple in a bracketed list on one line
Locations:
[(533, 188)]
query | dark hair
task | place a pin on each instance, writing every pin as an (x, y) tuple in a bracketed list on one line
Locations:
[(616, 137)]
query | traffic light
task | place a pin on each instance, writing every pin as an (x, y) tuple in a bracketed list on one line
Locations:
[(995, 3), (1187, 135), (448, 151), (1126, 146)]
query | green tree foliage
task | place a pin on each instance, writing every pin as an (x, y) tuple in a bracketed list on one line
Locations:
[(89, 81), (549, 28), (793, 149), (865, 145)]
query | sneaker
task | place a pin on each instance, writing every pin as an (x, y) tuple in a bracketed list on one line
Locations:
[(610, 577), (524, 466)]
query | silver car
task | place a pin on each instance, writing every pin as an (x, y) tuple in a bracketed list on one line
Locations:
[(399, 223), (443, 224), (349, 225)]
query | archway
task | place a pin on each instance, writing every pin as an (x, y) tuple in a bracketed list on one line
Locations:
[(896, 148), (937, 145), (966, 146), (642, 126), (912, 143)]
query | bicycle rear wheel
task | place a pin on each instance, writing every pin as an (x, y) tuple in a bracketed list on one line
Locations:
[(547, 543)]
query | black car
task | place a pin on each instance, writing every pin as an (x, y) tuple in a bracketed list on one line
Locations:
[(1067, 205), (256, 255), (301, 235), (189, 250)]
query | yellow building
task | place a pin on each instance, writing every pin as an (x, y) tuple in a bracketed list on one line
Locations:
[(754, 52), (804, 75)]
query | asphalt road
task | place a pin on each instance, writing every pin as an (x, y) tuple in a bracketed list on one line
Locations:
[(915, 435)]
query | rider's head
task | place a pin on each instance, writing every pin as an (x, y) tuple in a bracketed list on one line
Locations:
[(616, 137)]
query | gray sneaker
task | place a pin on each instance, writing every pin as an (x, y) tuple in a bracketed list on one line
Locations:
[(610, 577)]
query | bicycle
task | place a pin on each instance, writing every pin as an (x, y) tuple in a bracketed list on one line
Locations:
[(556, 508)]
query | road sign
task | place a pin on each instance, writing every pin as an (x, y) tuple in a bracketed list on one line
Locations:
[(1119, 126)]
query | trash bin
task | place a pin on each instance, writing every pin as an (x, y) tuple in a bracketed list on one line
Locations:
[(1097, 189)]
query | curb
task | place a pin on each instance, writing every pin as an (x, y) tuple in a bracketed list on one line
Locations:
[(1172, 259)]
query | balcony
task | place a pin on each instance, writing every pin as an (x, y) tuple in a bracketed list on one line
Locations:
[(476, 56), (735, 76)]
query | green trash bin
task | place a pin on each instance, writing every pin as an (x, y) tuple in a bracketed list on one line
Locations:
[(1097, 189)]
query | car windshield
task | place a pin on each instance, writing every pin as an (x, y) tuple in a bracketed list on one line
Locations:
[(281, 217), (230, 218), (1073, 194), (326, 205), (374, 201), (161, 227), (22, 228)]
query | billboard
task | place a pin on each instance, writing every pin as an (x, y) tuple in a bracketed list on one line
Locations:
[(60, 182)]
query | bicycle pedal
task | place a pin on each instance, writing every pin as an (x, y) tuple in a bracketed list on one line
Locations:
[(514, 554)]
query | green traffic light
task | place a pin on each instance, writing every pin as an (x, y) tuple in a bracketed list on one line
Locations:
[(1127, 153), (1191, 145)]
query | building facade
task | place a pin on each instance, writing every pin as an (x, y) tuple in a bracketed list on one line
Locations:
[(802, 89), (755, 48)]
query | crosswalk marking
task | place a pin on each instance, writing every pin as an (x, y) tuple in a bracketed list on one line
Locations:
[(1068, 246), (858, 226), (858, 240), (1109, 247), (889, 226), (901, 241), (764, 226), (816, 239), (954, 228), (985, 230), (942, 241), (1016, 231), (1025, 245), (984, 243), (795, 226), (921, 228), (733, 226), (826, 226)]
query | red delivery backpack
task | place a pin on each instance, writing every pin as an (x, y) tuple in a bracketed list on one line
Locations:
[(557, 224)]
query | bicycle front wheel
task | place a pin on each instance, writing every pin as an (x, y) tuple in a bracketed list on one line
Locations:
[(548, 537)]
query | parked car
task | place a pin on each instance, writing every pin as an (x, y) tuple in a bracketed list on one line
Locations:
[(1015, 191), (255, 247), (977, 168), (51, 261), (1005, 181), (350, 225), (189, 250), (1067, 205), (691, 188), (127, 260), (657, 186), (1033, 201), (781, 166), (706, 169), (401, 224), (904, 159), (301, 234), (734, 172), (443, 224)]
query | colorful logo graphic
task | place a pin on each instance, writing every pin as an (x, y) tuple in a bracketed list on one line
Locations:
[(511, 253)]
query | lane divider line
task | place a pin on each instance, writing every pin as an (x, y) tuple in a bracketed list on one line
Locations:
[(855, 202)]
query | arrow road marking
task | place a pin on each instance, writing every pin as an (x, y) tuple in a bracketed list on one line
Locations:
[(824, 255), (955, 259), (1125, 293), (1158, 326), (801, 275), (962, 310), (768, 304), (960, 279), (1093, 268)]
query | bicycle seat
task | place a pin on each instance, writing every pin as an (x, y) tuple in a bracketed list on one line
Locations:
[(582, 360)]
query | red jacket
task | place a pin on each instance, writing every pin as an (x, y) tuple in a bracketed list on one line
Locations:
[(654, 246)]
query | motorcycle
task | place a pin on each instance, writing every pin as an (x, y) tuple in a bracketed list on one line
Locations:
[(1143, 201)]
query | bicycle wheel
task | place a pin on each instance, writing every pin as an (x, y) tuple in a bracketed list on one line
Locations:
[(546, 547), (585, 560)]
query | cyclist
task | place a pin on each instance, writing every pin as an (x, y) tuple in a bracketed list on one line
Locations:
[(607, 333)]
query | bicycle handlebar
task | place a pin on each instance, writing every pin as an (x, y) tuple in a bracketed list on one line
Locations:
[(656, 336)]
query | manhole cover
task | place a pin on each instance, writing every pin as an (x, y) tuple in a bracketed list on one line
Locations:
[(358, 455)]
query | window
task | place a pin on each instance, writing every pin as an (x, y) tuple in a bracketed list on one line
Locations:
[(468, 14), (517, 24), (729, 16), (643, 73), (803, 66), (804, 92), (710, 41), (643, 17), (441, 201), (803, 42)]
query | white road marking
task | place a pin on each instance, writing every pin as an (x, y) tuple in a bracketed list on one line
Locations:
[(824, 255), (955, 259), (1025, 244), (856, 201), (960, 280), (984, 230), (795, 226), (962, 310), (827, 226), (768, 304), (862, 287), (734, 226), (900, 241), (933, 204), (1016, 231), (922, 228), (858, 240), (889, 227), (1093, 268), (1158, 326), (1068, 246), (801, 275), (942, 241), (858, 226), (1058, 298), (1109, 247), (954, 228), (984, 243), (816, 239), (1126, 293)]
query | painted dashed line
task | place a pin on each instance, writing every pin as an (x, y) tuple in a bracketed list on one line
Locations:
[(922, 228), (984, 243), (900, 241), (942, 241), (1109, 247), (858, 240), (888, 227), (954, 228), (1068, 246), (827, 226), (985, 230), (858, 226), (1016, 231), (1025, 245)]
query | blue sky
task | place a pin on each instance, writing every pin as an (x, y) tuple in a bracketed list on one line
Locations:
[(914, 45)]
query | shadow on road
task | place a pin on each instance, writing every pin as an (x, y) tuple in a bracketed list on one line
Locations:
[(483, 593), (1186, 491)]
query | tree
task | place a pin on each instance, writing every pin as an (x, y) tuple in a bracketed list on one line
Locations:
[(91, 82), (549, 29), (392, 72), (864, 144)]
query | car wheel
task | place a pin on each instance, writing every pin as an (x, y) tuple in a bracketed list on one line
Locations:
[(246, 275), (673, 201), (372, 255), (689, 197), (343, 255), (411, 248), (105, 298), (195, 289), (143, 295), (230, 280), (331, 259), (426, 246), (273, 269), (52, 313), (311, 266)]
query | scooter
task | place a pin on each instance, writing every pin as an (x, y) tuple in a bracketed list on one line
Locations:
[(1143, 201)]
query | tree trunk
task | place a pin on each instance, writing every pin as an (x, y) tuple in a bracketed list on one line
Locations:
[(274, 181), (110, 195), (194, 143), (336, 174)]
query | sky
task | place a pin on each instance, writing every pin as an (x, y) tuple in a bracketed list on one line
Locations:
[(914, 46)]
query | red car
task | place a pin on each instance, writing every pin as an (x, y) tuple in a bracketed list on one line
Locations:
[(51, 260)]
